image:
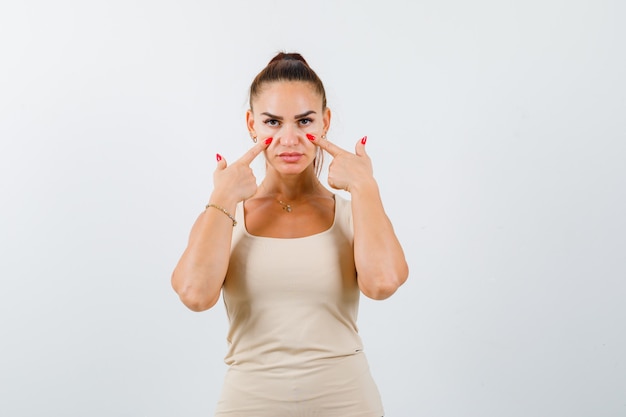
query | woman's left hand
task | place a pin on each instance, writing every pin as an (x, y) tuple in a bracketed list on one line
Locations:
[(347, 170), (378, 257)]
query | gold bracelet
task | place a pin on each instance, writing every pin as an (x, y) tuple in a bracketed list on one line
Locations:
[(223, 210)]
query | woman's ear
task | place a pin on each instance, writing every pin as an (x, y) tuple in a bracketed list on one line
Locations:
[(326, 119), (250, 123)]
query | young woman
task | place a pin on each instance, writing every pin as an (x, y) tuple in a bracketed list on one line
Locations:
[(291, 258)]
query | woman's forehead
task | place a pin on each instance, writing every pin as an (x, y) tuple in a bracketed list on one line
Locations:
[(286, 94)]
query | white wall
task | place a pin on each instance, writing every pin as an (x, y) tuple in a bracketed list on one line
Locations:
[(497, 131)]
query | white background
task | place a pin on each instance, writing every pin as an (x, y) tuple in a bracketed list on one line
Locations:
[(497, 131)]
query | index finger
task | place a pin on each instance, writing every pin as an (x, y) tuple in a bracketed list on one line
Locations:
[(253, 152), (329, 147)]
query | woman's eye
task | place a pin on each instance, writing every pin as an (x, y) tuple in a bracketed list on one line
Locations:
[(306, 121), (272, 122)]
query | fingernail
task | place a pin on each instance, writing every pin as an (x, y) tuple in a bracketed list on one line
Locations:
[(363, 140), (310, 137), (268, 141), (218, 157)]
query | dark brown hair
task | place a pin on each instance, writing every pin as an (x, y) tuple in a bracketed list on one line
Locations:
[(287, 67)]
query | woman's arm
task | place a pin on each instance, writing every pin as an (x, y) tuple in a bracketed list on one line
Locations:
[(201, 270), (379, 258)]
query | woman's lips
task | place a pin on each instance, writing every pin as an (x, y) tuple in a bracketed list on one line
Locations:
[(290, 156)]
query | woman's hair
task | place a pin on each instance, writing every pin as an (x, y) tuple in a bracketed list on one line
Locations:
[(287, 67), (290, 67)]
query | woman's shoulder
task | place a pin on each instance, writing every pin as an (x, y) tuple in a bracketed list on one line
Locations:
[(342, 202), (343, 214)]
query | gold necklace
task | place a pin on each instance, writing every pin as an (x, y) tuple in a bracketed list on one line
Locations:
[(286, 207)]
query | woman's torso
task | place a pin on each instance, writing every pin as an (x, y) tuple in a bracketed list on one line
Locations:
[(292, 306)]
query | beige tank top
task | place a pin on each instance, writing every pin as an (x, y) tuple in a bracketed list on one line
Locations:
[(293, 341), (292, 302)]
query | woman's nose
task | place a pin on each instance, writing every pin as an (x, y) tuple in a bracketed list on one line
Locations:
[(289, 136)]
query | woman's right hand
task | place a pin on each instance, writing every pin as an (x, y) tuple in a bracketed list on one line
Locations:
[(236, 182)]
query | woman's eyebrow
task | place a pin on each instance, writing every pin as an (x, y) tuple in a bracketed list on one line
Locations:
[(297, 116), (300, 116), (270, 115)]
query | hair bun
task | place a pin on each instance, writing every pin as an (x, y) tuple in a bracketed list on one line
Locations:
[(288, 56), (287, 66)]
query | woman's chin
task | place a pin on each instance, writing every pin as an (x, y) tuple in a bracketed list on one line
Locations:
[(290, 169)]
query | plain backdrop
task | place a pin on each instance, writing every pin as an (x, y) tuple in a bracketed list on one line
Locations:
[(497, 131)]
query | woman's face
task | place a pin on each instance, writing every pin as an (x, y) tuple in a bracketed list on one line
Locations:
[(287, 111)]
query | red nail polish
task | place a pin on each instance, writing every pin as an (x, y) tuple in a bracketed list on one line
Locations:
[(218, 157), (363, 140), (310, 137), (268, 141)]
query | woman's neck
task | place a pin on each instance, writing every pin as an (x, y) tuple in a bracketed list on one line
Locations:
[(292, 187)]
